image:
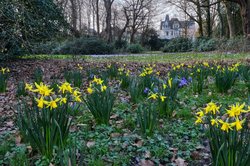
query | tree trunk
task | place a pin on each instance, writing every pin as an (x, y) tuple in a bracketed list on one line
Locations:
[(230, 22), (74, 18), (108, 5), (245, 14), (200, 18), (97, 18), (208, 19), (132, 36), (221, 20)]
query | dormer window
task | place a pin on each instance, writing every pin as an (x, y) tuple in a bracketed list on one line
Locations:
[(176, 25)]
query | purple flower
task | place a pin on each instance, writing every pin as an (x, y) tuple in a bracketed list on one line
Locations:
[(146, 90), (190, 79), (183, 82)]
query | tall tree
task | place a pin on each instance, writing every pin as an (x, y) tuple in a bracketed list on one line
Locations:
[(108, 29)]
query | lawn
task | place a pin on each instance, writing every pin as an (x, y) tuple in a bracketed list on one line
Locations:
[(126, 110)]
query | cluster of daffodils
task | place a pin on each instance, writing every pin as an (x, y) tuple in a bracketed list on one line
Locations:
[(147, 71), (45, 97), (232, 119), (96, 85), (122, 71), (161, 96), (4, 70), (232, 68)]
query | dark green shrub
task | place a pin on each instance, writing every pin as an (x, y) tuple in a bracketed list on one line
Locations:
[(178, 45), (209, 45), (24, 23), (84, 46), (120, 44), (135, 48), (45, 48)]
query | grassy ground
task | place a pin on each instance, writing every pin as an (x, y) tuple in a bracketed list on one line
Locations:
[(152, 57)]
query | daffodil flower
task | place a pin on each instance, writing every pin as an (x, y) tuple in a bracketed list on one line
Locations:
[(53, 104), (163, 98), (214, 122), (78, 98), (225, 126), (42, 89), (76, 93), (198, 120), (236, 110), (153, 96), (200, 114), (90, 90), (63, 100), (211, 107), (41, 102), (28, 87), (103, 88), (170, 82), (238, 124)]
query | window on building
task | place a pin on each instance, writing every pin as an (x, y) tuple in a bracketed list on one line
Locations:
[(167, 33)]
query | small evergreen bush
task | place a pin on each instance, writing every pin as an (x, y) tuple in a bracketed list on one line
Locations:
[(178, 45), (135, 48)]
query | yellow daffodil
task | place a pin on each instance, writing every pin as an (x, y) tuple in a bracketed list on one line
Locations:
[(225, 126), (28, 87), (142, 75), (128, 72), (198, 120), (53, 104), (42, 89), (164, 86), (153, 96), (163, 98), (90, 90), (214, 122), (200, 114), (63, 100), (178, 66), (65, 87), (170, 82), (236, 110), (3, 70), (41, 102), (103, 88), (76, 93), (205, 64), (238, 124), (80, 67), (78, 98), (211, 107), (158, 73), (98, 81)]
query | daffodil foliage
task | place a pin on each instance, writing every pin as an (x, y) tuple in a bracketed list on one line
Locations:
[(46, 120), (165, 96), (99, 100), (228, 133), (4, 74)]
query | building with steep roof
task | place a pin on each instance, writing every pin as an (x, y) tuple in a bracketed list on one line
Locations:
[(173, 28)]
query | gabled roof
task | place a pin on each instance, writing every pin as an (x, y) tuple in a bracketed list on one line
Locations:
[(182, 24)]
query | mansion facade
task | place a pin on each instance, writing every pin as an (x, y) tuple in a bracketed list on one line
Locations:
[(173, 28)]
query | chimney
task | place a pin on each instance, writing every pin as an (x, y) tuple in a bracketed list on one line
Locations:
[(167, 18)]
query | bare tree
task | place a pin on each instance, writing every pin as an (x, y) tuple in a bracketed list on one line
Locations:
[(108, 7)]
